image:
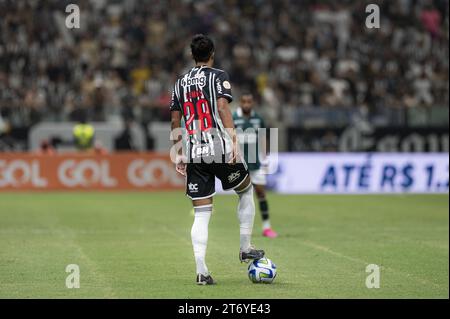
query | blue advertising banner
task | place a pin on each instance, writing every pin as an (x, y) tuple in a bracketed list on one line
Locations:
[(358, 173)]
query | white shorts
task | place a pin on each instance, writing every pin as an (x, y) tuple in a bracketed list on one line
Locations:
[(258, 177)]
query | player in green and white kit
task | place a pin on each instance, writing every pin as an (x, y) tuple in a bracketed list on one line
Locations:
[(247, 123)]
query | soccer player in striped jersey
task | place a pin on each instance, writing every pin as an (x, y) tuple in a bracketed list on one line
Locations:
[(201, 99), (248, 121)]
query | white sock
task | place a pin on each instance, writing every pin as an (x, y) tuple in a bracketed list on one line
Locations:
[(246, 215), (266, 224), (199, 235)]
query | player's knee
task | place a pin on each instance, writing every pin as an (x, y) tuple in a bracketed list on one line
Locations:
[(260, 192), (244, 186), (202, 202)]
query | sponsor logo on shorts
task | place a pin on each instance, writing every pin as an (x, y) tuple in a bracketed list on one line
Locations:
[(193, 188), (233, 176)]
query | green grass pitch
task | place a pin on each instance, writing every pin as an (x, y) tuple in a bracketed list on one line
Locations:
[(137, 245)]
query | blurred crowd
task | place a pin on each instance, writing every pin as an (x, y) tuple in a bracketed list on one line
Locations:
[(124, 58)]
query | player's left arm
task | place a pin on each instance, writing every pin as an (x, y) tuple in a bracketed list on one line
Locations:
[(224, 97), (227, 120)]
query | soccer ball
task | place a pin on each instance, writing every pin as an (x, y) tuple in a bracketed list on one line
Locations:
[(262, 271)]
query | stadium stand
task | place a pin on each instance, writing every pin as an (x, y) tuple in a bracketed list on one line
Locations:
[(303, 59)]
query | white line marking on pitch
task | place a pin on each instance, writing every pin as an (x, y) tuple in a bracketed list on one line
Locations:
[(337, 254)]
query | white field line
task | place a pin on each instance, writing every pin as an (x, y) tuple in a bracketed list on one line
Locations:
[(361, 261), (89, 262)]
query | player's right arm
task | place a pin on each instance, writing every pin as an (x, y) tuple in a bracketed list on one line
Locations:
[(176, 136)]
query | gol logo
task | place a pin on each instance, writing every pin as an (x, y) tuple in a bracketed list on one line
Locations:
[(143, 173), (85, 173), (19, 172)]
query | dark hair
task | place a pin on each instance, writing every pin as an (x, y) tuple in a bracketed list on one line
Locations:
[(246, 92), (202, 47)]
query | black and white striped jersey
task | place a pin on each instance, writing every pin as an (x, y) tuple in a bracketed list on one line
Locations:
[(195, 95)]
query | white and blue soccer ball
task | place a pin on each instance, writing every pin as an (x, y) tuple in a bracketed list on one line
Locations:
[(262, 271)]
